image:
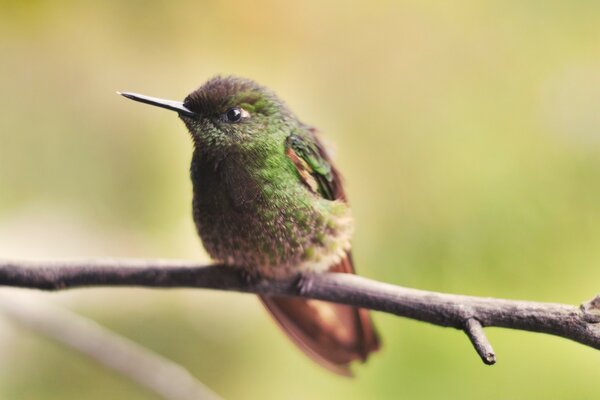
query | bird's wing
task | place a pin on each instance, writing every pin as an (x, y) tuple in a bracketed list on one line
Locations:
[(314, 166), (332, 334)]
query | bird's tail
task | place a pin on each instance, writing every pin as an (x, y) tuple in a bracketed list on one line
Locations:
[(333, 335)]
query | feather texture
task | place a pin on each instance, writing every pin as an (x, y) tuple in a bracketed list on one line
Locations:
[(331, 334)]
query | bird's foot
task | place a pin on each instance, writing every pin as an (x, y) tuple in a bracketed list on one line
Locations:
[(304, 283), (250, 277)]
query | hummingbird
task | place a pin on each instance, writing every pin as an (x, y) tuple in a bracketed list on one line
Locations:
[(268, 199)]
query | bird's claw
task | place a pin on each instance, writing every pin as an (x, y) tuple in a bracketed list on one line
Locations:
[(304, 283), (250, 277)]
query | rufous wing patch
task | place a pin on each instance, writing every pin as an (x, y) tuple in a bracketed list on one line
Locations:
[(304, 170)]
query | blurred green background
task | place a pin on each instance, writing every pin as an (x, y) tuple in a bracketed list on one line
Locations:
[(468, 133)]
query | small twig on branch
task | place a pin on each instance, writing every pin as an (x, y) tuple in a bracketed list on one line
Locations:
[(475, 332), (163, 377), (468, 313)]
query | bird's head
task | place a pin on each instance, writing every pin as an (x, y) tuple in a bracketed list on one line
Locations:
[(229, 114)]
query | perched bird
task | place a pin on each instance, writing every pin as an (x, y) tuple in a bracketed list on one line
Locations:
[(267, 198)]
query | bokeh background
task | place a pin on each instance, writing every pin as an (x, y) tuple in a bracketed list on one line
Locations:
[(468, 133)]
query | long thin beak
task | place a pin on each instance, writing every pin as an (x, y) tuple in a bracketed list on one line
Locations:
[(153, 101)]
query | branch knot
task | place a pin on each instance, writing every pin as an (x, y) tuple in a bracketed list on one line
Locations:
[(591, 310)]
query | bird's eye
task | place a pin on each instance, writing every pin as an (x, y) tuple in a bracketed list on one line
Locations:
[(233, 115)]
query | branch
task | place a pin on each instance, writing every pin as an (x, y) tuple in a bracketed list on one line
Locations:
[(152, 371), (483, 347), (468, 313)]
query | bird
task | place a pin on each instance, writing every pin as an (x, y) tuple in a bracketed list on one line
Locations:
[(268, 200)]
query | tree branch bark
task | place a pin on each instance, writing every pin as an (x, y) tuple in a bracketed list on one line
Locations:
[(468, 313)]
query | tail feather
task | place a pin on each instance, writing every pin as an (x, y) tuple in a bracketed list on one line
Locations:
[(331, 334)]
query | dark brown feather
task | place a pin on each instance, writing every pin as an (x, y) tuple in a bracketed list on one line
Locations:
[(333, 335)]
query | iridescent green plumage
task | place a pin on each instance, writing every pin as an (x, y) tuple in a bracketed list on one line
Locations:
[(268, 199), (249, 195)]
